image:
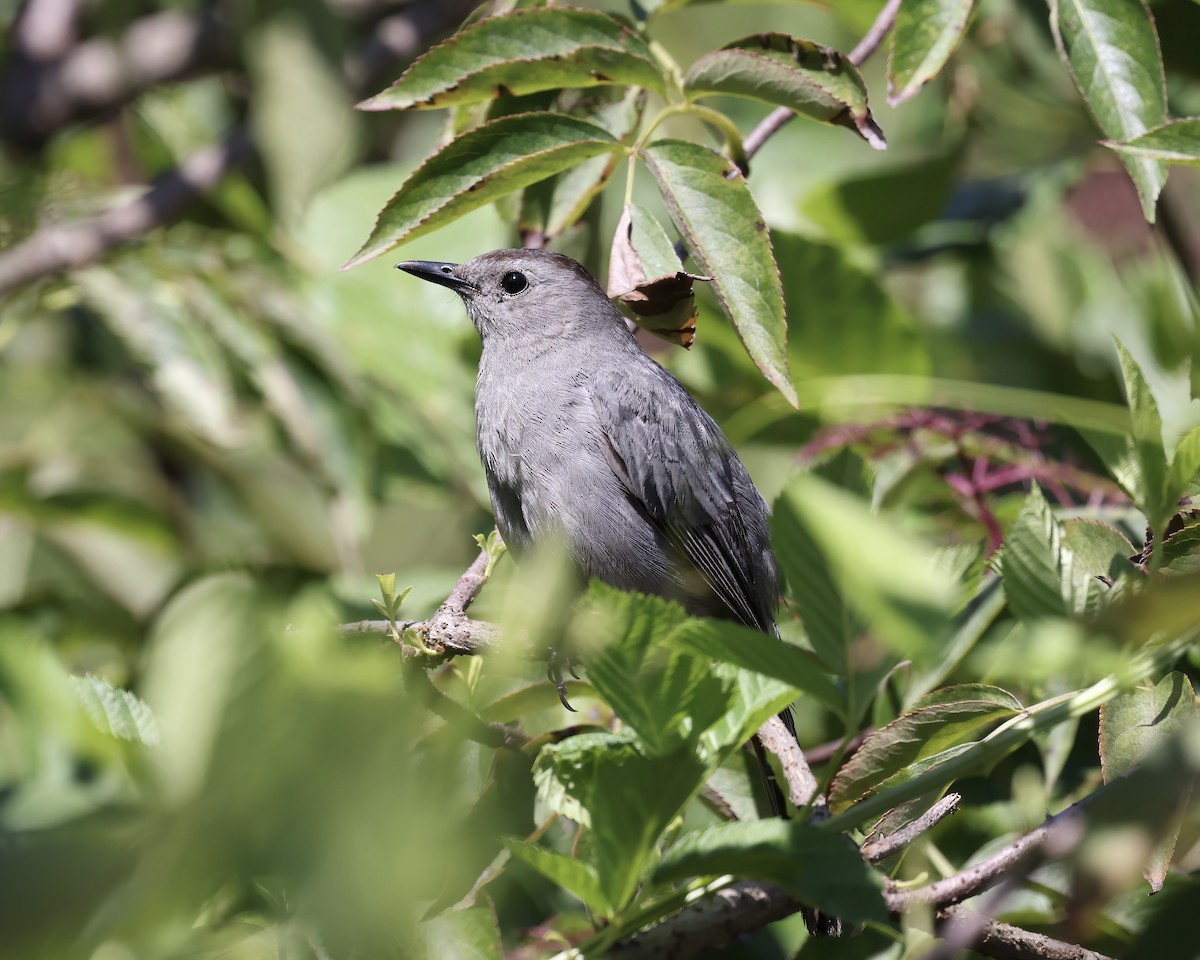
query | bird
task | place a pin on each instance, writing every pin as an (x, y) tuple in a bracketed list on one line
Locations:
[(585, 438)]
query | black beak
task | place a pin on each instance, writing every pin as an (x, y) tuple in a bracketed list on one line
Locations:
[(441, 273)]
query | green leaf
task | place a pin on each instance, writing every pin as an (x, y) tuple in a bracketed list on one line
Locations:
[(1181, 550), (1133, 727), (1137, 459), (713, 209), (754, 650), (945, 719), (1032, 562), (469, 934), (116, 711), (668, 696), (888, 577), (1111, 49), (819, 868), (1056, 570), (626, 797), (483, 164), (300, 114), (1177, 141), (927, 32), (523, 52), (814, 81), (574, 876), (841, 319), (553, 205)]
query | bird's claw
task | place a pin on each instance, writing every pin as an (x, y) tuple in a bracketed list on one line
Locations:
[(554, 673)]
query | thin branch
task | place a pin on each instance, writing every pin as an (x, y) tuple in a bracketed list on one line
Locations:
[(776, 119), (1002, 941), (724, 915), (803, 788), (874, 36), (1057, 836), (73, 245), (884, 847), (39, 98)]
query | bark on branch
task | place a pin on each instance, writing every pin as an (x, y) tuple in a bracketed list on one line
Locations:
[(77, 244)]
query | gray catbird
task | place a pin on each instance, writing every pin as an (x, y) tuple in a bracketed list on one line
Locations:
[(585, 438)]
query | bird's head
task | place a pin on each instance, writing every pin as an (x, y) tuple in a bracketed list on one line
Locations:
[(523, 294)]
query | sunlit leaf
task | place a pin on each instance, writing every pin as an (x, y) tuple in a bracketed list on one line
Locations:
[(1175, 142), (943, 720), (574, 876), (723, 229), (117, 711), (753, 650), (523, 52), (927, 32), (483, 164), (815, 81), (1111, 49)]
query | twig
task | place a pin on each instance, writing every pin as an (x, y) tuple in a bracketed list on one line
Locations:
[(776, 119), (744, 907), (1059, 834), (722, 916), (875, 34), (38, 98), (884, 847), (1003, 941), (824, 752), (802, 785), (74, 245)]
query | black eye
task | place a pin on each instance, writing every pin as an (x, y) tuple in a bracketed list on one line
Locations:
[(513, 282)]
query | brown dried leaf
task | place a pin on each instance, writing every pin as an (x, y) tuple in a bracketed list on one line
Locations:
[(665, 306)]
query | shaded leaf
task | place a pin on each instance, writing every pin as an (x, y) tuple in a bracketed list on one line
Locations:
[(814, 81), (927, 32), (624, 796), (1111, 49), (523, 52), (574, 876), (820, 868), (553, 205), (944, 720), (1177, 141), (1136, 725), (483, 164), (713, 209)]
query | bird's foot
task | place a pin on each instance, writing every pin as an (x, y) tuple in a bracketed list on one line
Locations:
[(554, 671)]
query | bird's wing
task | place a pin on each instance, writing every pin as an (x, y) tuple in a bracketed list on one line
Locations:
[(681, 473)]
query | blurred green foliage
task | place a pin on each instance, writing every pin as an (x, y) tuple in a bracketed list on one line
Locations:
[(211, 440)]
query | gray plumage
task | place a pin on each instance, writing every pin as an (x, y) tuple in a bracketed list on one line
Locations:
[(586, 438)]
